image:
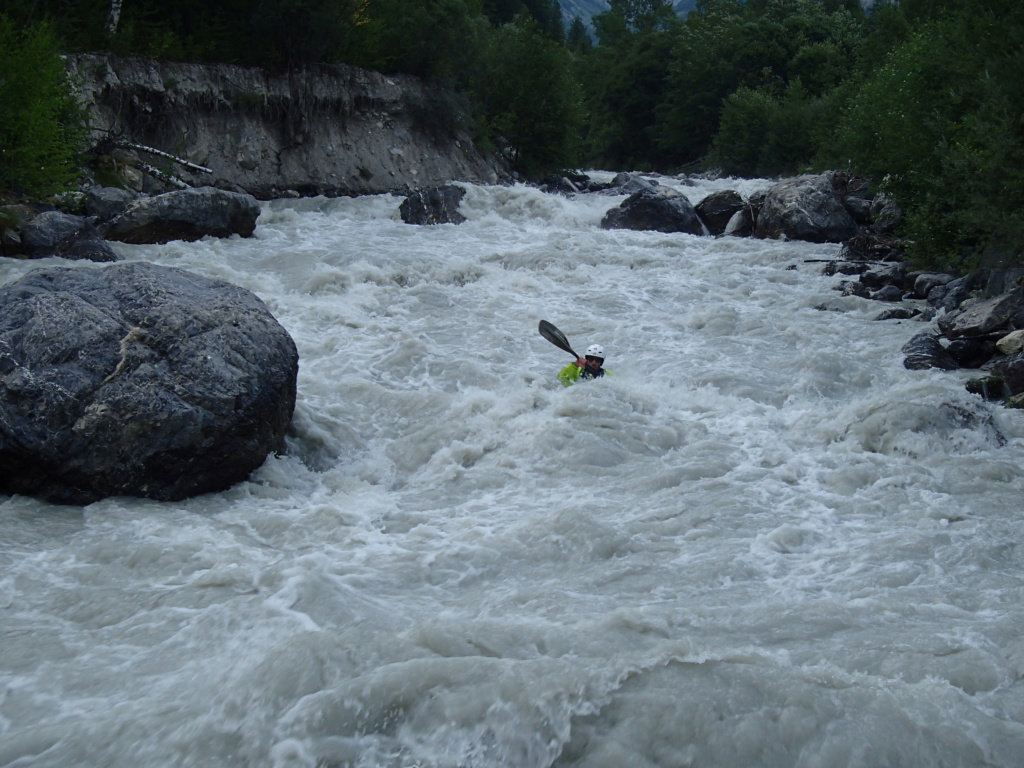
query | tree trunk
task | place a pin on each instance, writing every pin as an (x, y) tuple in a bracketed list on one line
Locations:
[(114, 17)]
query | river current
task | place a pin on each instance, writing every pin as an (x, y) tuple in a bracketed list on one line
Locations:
[(761, 542)]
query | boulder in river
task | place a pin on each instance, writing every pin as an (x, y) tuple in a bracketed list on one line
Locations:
[(434, 205), (1011, 370), (718, 209), (106, 203), (660, 208), (137, 380), (185, 214), (804, 208), (983, 317), (53, 233), (924, 351)]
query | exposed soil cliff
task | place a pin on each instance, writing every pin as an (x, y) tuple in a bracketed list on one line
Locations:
[(331, 129)]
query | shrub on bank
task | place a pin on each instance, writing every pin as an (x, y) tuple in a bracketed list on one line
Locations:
[(41, 129)]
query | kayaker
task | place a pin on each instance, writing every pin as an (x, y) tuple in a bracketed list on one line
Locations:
[(590, 366)]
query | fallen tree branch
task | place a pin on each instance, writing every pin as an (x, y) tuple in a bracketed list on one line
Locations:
[(845, 261), (161, 153), (163, 176)]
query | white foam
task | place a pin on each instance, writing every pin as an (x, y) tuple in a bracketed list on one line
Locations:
[(762, 541)]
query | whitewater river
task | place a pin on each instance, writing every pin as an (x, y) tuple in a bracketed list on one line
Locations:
[(763, 542)]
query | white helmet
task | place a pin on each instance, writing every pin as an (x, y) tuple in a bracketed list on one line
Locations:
[(595, 350)]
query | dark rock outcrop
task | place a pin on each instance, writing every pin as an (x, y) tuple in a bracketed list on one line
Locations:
[(1011, 370), (660, 208), (628, 182), (87, 244), (53, 233), (924, 351), (140, 380), (897, 313), (104, 203), (328, 129), (804, 208), (436, 205), (185, 214), (982, 318), (41, 234), (717, 209), (971, 353)]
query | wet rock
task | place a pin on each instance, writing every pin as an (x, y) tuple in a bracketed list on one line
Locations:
[(435, 205), (925, 282), (660, 209), (971, 353), (804, 208), (137, 380), (853, 288), (627, 183), (1011, 343), (984, 317), (951, 295), (561, 185), (924, 351), (882, 275), (838, 267), (53, 233), (717, 210), (42, 234), (87, 244), (185, 214), (988, 387), (741, 224), (1001, 281), (897, 313), (888, 293), (1011, 370), (106, 203)]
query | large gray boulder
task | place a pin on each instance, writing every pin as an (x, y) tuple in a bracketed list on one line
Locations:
[(53, 233), (185, 214), (105, 203), (804, 208), (984, 317), (660, 209), (139, 380)]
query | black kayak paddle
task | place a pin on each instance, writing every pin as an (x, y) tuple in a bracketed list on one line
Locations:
[(556, 337)]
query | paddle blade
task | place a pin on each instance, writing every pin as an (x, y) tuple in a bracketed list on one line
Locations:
[(555, 336)]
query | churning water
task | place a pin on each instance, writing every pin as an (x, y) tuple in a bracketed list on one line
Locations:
[(763, 542)]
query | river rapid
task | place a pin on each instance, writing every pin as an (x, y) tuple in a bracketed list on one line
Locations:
[(761, 542)]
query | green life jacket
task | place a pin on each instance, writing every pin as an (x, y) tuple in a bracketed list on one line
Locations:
[(572, 372)]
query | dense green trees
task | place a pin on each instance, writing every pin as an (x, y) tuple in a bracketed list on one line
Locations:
[(940, 124), (925, 96), (40, 129), (529, 99)]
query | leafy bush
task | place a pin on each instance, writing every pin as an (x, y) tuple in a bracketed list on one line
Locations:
[(41, 129), (940, 124), (525, 95)]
